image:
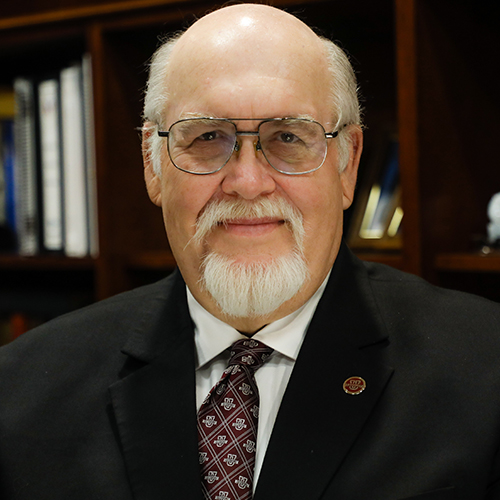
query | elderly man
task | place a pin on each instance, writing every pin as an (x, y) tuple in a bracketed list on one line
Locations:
[(273, 364)]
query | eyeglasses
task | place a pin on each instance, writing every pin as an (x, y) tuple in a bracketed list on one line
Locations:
[(292, 146)]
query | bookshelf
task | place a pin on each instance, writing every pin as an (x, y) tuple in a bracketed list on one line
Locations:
[(446, 91), (421, 73)]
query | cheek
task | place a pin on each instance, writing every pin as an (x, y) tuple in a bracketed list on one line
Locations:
[(321, 206), (320, 202), (325, 216), (183, 197)]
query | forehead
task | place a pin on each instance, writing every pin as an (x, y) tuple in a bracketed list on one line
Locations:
[(249, 96)]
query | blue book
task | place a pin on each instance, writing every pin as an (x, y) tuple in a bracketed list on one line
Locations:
[(8, 158), (8, 165)]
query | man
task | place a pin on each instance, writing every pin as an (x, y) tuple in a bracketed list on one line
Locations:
[(379, 386)]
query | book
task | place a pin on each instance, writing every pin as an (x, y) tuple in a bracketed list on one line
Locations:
[(8, 189), (90, 156), (3, 194), (6, 115), (50, 164), (76, 222), (7, 103), (25, 178)]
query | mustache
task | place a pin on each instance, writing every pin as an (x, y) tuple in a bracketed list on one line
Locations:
[(218, 212)]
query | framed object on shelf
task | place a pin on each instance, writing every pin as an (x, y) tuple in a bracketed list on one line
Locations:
[(377, 216)]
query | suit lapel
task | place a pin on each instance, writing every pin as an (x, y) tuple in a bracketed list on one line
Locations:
[(154, 404), (318, 422)]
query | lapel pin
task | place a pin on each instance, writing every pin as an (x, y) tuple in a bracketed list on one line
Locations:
[(354, 386)]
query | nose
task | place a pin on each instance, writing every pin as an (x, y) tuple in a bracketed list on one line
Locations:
[(247, 173)]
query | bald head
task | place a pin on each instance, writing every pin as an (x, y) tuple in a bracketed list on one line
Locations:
[(252, 22), (250, 35)]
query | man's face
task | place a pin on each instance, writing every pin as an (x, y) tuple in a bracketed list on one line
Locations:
[(234, 83)]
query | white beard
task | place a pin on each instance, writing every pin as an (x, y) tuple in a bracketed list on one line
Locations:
[(256, 288)]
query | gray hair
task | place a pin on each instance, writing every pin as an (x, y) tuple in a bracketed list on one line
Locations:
[(343, 95), (155, 100)]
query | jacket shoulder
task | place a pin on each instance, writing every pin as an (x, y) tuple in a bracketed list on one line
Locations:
[(403, 295), (385, 276)]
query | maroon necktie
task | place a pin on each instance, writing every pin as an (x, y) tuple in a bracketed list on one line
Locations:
[(227, 425)]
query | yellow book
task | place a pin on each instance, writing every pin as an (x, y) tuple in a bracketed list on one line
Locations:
[(7, 108)]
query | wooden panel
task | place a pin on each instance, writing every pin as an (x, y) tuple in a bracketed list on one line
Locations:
[(36, 52), (469, 262), (18, 14), (408, 133), (458, 104), (45, 262), (151, 260)]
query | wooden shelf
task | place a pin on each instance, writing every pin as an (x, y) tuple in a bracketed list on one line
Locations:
[(151, 261), (45, 262), (111, 10), (81, 13), (468, 262)]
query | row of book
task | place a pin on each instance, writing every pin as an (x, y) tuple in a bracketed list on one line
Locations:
[(48, 164)]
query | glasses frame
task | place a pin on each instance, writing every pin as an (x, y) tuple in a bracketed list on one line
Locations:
[(254, 133)]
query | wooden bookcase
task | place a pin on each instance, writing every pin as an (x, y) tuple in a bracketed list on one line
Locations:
[(426, 68)]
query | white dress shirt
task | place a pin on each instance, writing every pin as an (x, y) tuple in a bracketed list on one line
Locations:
[(213, 337)]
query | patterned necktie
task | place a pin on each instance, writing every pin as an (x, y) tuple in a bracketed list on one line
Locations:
[(227, 425)]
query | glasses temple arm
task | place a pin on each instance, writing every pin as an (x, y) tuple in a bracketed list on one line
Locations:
[(332, 135)]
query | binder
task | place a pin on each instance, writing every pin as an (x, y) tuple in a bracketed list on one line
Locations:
[(50, 163), (25, 179), (76, 223)]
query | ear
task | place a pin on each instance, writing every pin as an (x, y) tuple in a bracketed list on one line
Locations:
[(349, 175), (153, 181)]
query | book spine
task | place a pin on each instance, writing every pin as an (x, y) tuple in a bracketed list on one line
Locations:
[(8, 173), (90, 158), (73, 138), (9, 185), (3, 194), (51, 177), (25, 168)]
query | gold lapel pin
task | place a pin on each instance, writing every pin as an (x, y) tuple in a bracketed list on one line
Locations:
[(354, 386)]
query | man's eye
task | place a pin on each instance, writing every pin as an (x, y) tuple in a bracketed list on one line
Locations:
[(208, 136), (288, 137)]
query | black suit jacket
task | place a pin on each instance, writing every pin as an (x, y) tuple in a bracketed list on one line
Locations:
[(100, 404)]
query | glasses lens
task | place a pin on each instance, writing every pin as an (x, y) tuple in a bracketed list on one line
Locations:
[(293, 145), (201, 145)]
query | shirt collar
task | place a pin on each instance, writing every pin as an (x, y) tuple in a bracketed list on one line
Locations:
[(213, 336)]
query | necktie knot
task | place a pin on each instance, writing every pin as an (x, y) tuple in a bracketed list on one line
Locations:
[(249, 352)]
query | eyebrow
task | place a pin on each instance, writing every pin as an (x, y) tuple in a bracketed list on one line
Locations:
[(194, 114)]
